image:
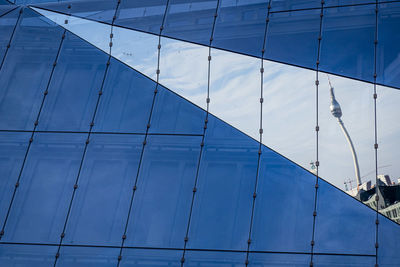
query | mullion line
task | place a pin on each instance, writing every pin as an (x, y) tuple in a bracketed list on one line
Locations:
[(11, 37)]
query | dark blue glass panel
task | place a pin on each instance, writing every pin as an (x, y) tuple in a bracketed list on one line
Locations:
[(145, 15), (388, 56), (222, 206), (74, 87), (279, 5), (190, 20), (98, 213), (41, 203), (26, 71), (7, 24), (284, 206), (126, 101), (348, 2), (343, 223), (214, 259), (162, 200), (275, 260), (12, 151), (27, 256), (347, 46), (389, 245), (292, 37), (5, 8), (150, 258), (240, 26), (174, 114), (4, 2), (351, 261), (88, 256)]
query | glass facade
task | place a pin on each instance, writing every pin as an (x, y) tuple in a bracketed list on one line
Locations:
[(199, 133)]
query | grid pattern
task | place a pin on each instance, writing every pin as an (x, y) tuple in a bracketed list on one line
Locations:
[(87, 181)]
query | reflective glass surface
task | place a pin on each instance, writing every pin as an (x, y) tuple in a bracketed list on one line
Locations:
[(279, 5), (190, 20), (389, 245), (27, 255), (74, 87), (105, 186), (26, 70), (336, 260), (275, 260), (214, 259), (160, 210), (4, 9), (150, 258), (224, 189), (240, 26), (40, 206), (88, 256)]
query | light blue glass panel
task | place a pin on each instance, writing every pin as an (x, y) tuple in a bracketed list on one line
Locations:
[(240, 26), (388, 56), (145, 15), (98, 213), (292, 37), (347, 46), (284, 206), (74, 87), (278, 260), (338, 260), (41, 204), (389, 245), (27, 255), (160, 210), (222, 206), (279, 5), (12, 151), (150, 258), (190, 20), (88, 257), (214, 259), (343, 223), (126, 101), (26, 71)]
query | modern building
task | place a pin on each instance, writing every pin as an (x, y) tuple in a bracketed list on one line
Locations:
[(180, 132)]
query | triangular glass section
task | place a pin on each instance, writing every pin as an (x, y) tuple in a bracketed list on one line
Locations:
[(7, 24), (5, 8)]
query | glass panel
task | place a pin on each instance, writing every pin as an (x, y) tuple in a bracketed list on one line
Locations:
[(39, 208), (150, 258), (351, 261), (275, 260), (279, 5), (388, 56), (284, 206), (5, 8), (108, 173), (162, 201), (240, 26), (214, 259), (145, 15), (190, 20), (126, 101), (292, 37), (26, 71), (27, 256), (12, 151), (349, 2), (347, 46), (88, 256), (225, 189), (343, 224), (389, 245)]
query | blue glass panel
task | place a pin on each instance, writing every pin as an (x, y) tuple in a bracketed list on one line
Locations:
[(190, 20), (351, 261), (388, 57), (347, 46), (74, 87), (145, 15), (292, 37), (275, 260), (150, 258), (126, 102), (222, 206), (343, 223), (5, 9), (240, 26), (88, 256), (389, 245), (173, 114), (26, 71), (284, 206), (162, 200), (27, 256), (349, 2), (41, 203), (98, 213), (12, 151), (279, 5), (214, 259)]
